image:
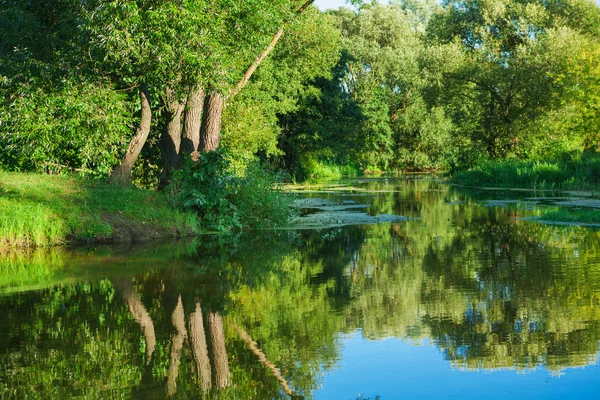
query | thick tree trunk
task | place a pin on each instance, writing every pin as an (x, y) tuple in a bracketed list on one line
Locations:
[(176, 345), (192, 121), (199, 348), (210, 132), (171, 138), (219, 352), (121, 174), (140, 315)]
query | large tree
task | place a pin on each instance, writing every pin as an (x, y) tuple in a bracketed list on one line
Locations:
[(213, 48)]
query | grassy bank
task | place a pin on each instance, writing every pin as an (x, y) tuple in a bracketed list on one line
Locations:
[(581, 173), (313, 170), (576, 215), (42, 210)]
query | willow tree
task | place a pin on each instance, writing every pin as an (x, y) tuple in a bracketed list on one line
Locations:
[(182, 50), (149, 46)]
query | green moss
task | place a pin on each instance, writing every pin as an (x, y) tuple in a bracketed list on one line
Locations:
[(43, 210)]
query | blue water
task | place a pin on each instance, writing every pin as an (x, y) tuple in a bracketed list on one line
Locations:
[(399, 369)]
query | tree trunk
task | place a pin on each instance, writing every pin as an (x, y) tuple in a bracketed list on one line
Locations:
[(176, 345), (121, 174), (199, 348), (171, 138), (192, 121), (219, 352), (140, 315), (210, 132)]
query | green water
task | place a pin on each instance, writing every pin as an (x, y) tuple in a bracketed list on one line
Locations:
[(463, 300)]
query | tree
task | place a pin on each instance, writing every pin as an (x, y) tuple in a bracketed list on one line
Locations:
[(56, 112), (505, 85)]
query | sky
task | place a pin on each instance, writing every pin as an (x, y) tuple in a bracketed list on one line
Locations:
[(326, 4)]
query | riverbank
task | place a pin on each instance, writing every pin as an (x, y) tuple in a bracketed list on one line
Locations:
[(46, 210), (581, 174), (577, 174)]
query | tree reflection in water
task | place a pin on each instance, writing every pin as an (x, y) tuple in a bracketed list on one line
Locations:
[(260, 315)]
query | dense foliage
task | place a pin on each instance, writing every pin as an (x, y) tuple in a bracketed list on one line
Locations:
[(421, 84), (414, 84), (224, 200)]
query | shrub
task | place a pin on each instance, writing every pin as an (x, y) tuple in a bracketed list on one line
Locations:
[(226, 201), (81, 126)]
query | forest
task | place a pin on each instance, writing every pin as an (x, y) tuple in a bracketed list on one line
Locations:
[(176, 95)]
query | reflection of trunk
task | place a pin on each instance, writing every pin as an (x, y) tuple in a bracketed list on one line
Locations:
[(171, 137), (210, 132), (219, 352), (121, 174), (192, 120), (140, 315), (263, 359), (198, 343), (176, 344)]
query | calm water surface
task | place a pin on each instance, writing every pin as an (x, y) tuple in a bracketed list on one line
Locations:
[(465, 300)]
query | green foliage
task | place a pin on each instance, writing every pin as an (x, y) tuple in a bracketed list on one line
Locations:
[(56, 111), (314, 167), (377, 108), (305, 53), (324, 128), (76, 126), (224, 201)]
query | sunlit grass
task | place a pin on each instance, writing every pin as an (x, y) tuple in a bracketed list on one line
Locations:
[(43, 210), (582, 173), (29, 224), (315, 170)]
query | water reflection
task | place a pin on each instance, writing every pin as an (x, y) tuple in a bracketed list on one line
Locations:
[(260, 315)]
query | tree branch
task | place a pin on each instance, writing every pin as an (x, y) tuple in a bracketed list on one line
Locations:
[(264, 360), (252, 68)]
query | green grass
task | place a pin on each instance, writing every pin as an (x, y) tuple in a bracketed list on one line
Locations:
[(582, 174), (587, 216), (314, 170), (43, 210)]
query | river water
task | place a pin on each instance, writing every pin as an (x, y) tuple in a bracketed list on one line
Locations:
[(462, 300)]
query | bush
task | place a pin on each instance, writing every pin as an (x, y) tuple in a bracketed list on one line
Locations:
[(225, 201), (81, 126)]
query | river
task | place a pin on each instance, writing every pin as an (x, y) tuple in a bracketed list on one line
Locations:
[(458, 297)]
